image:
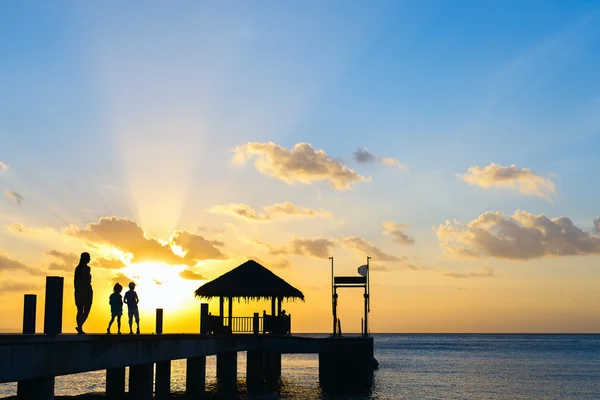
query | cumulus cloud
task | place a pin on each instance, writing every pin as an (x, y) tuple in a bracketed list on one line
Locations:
[(122, 279), (64, 261), (302, 163), (312, 247), (191, 275), (3, 166), (13, 286), (485, 272), (129, 237), (269, 212), (364, 156), (522, 236), (366, 248), (397, 232), (522, 180), (597, 225), (15, 196)]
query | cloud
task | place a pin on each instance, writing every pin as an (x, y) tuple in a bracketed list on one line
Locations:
[(191, 275), (10, 264), (522, 180), (129, 237), (122, 279), (67, 261), (15, 196), (397, 231), (302, 163), (19, 228), (485, 272), (368, 249), (522, 236), (197, 248), (13, 286), (286, 209), (597, 225), (311, 247), (364, 156), (108, 263), (3, 166)]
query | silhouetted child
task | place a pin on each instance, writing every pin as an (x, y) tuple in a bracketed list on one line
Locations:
[(132, 300), (116, 307)]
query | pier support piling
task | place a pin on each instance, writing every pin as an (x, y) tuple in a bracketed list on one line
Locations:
[(115, 383), (162, 384), (195, 377), (38, 389), (140, 381), (254, 370), (227, 372), (272, 368)]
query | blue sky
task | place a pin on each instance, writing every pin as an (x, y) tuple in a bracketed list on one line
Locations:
[(133, 110)]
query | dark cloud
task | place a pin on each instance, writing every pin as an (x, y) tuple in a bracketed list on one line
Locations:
[(484, 272), (364, 156), (15, 196), (65, 261), (13, 286)]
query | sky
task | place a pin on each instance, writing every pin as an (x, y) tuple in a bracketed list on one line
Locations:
[(455, 143)]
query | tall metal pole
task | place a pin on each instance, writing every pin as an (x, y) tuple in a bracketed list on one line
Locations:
[(368, 299), (332, 297)]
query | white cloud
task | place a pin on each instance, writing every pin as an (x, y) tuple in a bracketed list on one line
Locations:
[(397, 232), (522, 180), (366, 248), (522, 236), (302, 163), (597, 225), (269, 212), (3, 166)]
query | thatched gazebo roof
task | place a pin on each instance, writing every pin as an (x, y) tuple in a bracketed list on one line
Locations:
[(249, 281)]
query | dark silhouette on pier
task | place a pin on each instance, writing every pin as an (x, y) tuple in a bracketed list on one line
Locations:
[(84, 294), (132, 300), (116, 307)]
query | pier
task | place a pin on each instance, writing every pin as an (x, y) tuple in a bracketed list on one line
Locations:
[(34, 360)]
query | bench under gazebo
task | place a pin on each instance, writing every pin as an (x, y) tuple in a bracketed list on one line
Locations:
[(249, 281)]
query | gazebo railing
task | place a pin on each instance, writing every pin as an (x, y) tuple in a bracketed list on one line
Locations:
[(244, 324)]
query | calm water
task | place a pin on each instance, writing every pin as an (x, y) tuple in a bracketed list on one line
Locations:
[(431, 367)]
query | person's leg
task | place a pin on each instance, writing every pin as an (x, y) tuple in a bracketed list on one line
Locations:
[(130, 323), (119, 323), (110, 323), (137, 321), (86, 312)]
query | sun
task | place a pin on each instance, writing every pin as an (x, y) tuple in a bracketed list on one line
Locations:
[(159, 285)]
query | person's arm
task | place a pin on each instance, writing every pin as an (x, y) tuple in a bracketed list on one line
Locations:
[(137, 299), (125, 298)]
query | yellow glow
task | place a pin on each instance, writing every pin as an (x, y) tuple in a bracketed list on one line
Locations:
[(160, 286)]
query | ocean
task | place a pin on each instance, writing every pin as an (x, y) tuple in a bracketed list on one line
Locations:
[(423, 366)]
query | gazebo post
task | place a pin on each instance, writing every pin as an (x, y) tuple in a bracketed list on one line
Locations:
[(221, 308), (231, 313), (273, 306), (279, 300)]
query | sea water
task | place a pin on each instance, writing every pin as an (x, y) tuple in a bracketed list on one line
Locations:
[(422, 366)]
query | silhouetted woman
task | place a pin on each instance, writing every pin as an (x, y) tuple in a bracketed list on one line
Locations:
[(83, 291)]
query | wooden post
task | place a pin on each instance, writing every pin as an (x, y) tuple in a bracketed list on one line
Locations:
[(254, 370), (255, 323), (222, 309), (203, 318), (366, 295), (273, 306), (54, 305), (227, 373), (279, 300), (38, 389), (272, 369), (159, 321), (335, 297), (29, 311), (231, 314)]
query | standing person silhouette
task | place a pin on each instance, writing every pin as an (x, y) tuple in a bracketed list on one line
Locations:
[(132, 300), (83, 291)]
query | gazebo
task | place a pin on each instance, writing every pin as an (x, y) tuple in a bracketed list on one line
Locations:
[(249, 281)]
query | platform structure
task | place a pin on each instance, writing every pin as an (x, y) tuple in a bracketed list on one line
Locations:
[(357, 282), (35, 359)]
